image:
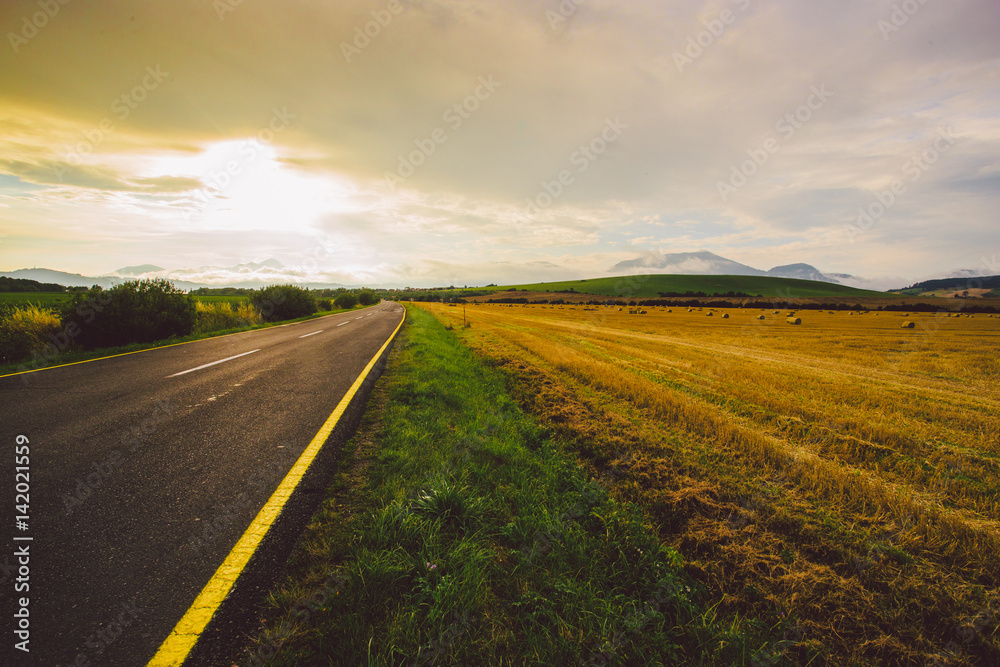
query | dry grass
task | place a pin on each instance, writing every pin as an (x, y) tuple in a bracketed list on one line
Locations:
[(222, 315), (844, 471), (26, 330)]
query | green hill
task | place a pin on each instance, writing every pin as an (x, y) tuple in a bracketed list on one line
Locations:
[(654, 285)]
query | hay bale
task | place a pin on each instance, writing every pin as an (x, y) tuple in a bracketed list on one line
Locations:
[(725, 316), (669, 310), (777, 312), (760, 317), (909, 325), (794, 320), (710, 313)]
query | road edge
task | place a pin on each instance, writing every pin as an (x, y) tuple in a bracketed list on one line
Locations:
[(186, 634)]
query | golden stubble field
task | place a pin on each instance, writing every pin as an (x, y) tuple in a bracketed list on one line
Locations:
[(840, 476)]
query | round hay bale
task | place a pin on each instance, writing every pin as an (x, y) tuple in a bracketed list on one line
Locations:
[(710, 313), (669, 310), (909, 325), (760, 317), (794, 320), (725, 316)]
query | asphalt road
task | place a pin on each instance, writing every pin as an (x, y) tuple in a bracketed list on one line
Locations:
[(145, 469)]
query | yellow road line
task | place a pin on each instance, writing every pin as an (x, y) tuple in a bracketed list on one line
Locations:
[(175, 649)]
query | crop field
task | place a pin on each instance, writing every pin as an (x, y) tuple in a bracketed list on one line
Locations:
[(221, 299), (43, 299), (843, 473)]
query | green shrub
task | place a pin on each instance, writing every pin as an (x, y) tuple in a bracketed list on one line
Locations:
[(137, 311), (324, 304), (366, 297), (283, 302), (25, 330), (221, 315), (346, 300)]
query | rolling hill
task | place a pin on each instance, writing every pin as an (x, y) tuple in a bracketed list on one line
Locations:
[(654, 285)]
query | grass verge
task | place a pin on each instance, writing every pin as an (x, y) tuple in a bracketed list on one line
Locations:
[(456, 533)]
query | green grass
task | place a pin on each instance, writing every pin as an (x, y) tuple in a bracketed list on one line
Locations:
[(648, 286), (457, 533), (42, 299)]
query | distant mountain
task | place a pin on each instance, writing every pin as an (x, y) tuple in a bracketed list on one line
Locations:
[(688, 263), (710, 264), (63, 278), (257, 266), (956, 284), (801, 272), (139, 270)]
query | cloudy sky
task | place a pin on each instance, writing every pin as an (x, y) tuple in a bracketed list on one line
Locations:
[(429, 142)]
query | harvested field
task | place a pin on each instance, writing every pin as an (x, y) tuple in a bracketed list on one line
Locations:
[(844, 472)]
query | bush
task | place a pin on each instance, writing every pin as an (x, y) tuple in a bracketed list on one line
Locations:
[(221, 315), (324, 304), (367, 297), (137, 311), (283, 302), (346, 300), (25, 330)]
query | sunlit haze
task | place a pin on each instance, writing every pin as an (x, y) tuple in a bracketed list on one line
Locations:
[(435, 142)]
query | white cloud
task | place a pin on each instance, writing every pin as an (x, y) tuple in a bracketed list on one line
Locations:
[(322, 174)]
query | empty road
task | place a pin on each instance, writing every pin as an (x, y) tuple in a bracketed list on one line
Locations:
[(145, 469)]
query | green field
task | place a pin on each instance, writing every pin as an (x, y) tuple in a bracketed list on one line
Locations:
[(37, 298), (649, 286), (221, 299)]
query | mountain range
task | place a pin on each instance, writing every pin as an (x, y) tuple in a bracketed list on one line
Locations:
[(272, 271), (707, 263)]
